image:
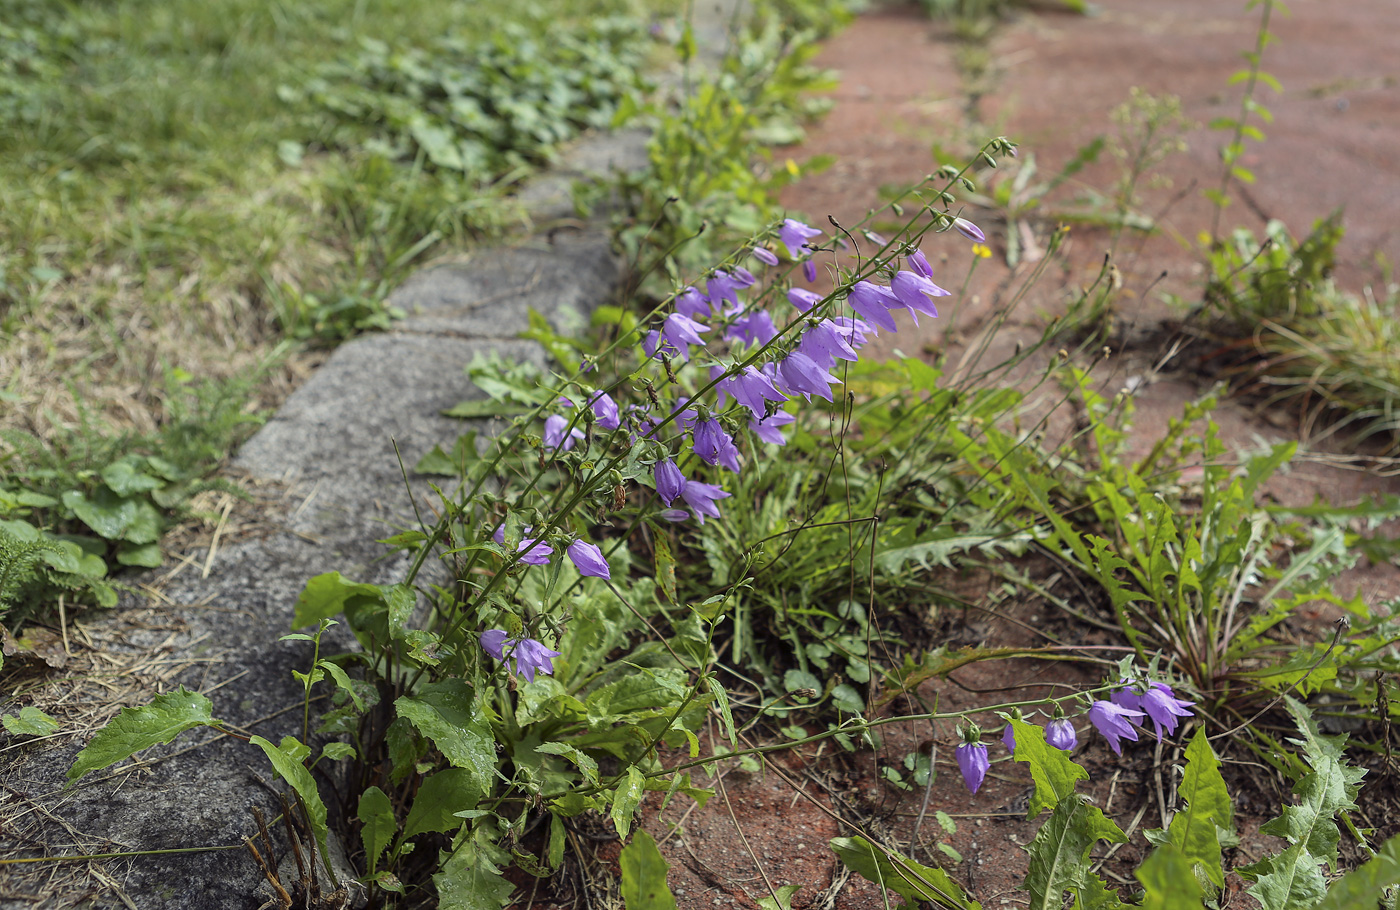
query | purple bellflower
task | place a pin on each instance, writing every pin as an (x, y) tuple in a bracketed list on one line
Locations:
[(588, 559), (714, 445), (1114, 722), (873, 303), (725, 285), (803, 299), (536, 552), (754, 327), (605, 409), (680, 332), (554, 435), (1059, 732), (809, 270), (1158, 703), (918, 263), (825, 343), (794, 235), (669, 480), (765, 255), (972, 761), (916, 292), (529, 655), (702, 498), (799, 374), (693, 304), (767, 428), (1008, 738), (855, 331), (969, 230), (751, 389)]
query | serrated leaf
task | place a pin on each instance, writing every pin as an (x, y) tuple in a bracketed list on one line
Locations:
[(1059, 854), (587, 765), (644, 876), (136, 729), (29, 722), (1193, 831), (722, 699), (287, 763), (337, 751), (448, 714), (1051, 769), (438, 799), (1294, 880), (665, 566), (625, 801), (376, 815), (1362, 888), (469, 880), (1167, 881), (910, 880)]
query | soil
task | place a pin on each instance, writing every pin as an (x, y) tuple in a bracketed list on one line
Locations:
[(912, 98)]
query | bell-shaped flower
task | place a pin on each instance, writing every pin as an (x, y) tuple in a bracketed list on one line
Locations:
[(825, 344), (588, 559), (764, 255), (973, 762), (752, 389), (809, 270), (702, 498), (605, 409), (794, 235), (1114, 722), (1059, 732), (529, 655), (692, 304), (1158, 703), (714, 445), (724, 284), (919, 264), (557, 433), (680, 332), (856, 331), (799, 374), (873, 303), (754, 327), (969, 230), (803, 299), (916, 293), (767, 428), (669, 480)]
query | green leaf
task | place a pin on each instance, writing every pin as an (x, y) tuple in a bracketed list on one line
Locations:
[(146, 555), (325, 595), (1193, 831), (625, 801), (125, 480), (115, 517), (29, 722), (337, 751), (1059, 854), (781, 899), (722, 699), (644, 876), (286, 762), (448, 713), (665, 565), (343, 681), (469, 880), (464, 453), (910, 880), (135, 729), (438, 800), (1294, 880), (376, 814), (1363, 887), (1051, 769), (473, 408), (1168, 882), (587, 765)]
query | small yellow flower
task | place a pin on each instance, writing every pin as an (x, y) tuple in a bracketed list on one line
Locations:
[(792, 168), (1203, 238), (981, 251)]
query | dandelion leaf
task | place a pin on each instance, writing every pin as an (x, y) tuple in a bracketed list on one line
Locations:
[(136, 729), (1194, 831), (910, 880), (644, 876), (1051, 769), (1167, 881)]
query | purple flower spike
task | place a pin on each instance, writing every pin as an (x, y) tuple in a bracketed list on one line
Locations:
[(680, 332), (554, 435), (809, 270), (794, 235), (873, 303), (529, 655), (799, 374), (755, 327), (753, 390), (1060, 734), (1008, 739), (919, 264), (803, 299), (767, 428), (702, 498), (714, 445), (825, 343), (693, 304), (588, 559), (969, 230), (605, 409), (916, 293), (765, 256), (972, 760), (669, 480), (1113, 722)]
